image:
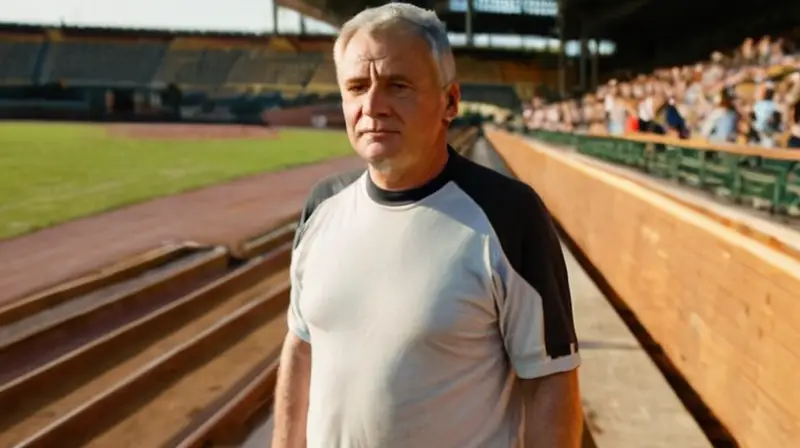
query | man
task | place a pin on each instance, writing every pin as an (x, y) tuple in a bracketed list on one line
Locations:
[(719, 125), (429, 299)]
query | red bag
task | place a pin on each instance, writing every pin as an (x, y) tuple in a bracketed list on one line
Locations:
[(632, 124)]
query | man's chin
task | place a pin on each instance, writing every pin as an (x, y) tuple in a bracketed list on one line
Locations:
[(380, 152)]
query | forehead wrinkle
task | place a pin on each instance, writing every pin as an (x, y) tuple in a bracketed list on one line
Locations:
[(392, 33), (367, 58), (367, 51)]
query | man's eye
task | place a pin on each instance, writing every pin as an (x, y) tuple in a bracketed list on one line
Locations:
[(356, 88), (399, 86)]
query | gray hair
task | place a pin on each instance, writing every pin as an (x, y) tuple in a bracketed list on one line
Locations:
[(422, 22)]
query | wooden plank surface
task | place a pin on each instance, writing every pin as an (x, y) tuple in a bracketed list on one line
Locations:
[(723, 306)]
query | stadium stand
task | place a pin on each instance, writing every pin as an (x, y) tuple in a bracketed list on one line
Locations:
[(305, 44), (102, 63), (280, 44), (750, 96), (519, 72), (18, 59), (503, 96), (719, 125), (472, 70), (123, 73), (324, 77), (283, 71), (206, 68)]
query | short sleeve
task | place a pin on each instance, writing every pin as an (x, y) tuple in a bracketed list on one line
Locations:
[(295, 317), (321, 192), (534, 304)]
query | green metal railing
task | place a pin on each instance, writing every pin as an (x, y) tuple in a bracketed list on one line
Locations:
[(762, 178)]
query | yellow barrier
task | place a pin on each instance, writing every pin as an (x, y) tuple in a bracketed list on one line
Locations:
[(725, 308), (702, 145)]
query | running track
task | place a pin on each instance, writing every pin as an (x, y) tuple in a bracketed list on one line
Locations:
[(222, 214)]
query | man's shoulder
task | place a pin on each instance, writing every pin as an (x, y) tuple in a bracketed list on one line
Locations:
[(327, 188), (494, 192)]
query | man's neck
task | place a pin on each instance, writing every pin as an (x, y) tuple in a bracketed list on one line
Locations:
[(415, 175)]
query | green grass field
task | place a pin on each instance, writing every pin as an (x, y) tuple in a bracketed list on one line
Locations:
[(51, 173)]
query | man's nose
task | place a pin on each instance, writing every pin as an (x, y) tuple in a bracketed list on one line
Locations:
[(376, 102)]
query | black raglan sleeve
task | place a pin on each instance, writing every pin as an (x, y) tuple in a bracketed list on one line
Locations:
[(536, 308), (532, 295)]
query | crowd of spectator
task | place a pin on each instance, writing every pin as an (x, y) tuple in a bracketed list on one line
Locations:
[(749, 97)]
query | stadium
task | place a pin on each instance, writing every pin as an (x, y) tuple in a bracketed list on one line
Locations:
[(153, 176)]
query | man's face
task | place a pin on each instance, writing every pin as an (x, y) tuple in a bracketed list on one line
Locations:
[(394, 105)]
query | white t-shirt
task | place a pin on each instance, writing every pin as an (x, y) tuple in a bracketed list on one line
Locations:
[(646, 109), (422, 306)]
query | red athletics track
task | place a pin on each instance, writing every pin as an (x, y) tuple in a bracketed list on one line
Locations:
[(220, 214)]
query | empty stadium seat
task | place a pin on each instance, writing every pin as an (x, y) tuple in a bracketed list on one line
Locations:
[(292, 70), (305, 44), (472, 70), (513, 72), (102, 62), (198, 67), (18, 61), (324, 77)]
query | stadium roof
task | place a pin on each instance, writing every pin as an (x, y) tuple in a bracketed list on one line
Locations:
[(677, 31), (640, 28), (530, 17), (657, 18)]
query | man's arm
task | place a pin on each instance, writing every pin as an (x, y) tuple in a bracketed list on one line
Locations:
[(290, 412), (294, 371), (291, 394), (553, 415), (537, 326)]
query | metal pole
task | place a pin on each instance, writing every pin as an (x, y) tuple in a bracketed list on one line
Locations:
[(562, 76), (595, 63), (584, 61), (468, 21), (275, 17)]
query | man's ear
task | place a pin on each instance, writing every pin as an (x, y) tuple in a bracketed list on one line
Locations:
[(453, 93)]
